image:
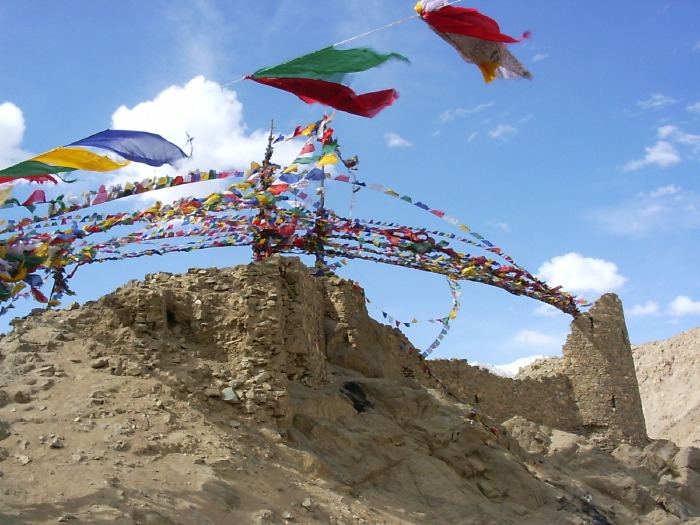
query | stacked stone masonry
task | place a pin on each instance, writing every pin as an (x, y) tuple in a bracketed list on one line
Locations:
[(592, 390), (263, 326)]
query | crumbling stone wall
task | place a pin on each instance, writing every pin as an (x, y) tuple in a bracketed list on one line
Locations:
[(591, 390), (599, 362), (264, 325), (547, 400), (257, 327)]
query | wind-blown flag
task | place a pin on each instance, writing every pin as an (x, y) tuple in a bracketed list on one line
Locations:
[(318, 76), (476, 37), (136, 146)]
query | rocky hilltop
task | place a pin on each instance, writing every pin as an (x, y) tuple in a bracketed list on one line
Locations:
[(668, 373), (260, 394)]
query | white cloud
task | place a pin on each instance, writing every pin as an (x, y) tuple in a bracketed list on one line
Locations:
[(580, 274), (665, 190), (675, 134), (656, 101), (648, 308), (684, 305), (662, 154), (693, 108), (501, 225), (539, 57), (394, 140), (546, 310), (534, 338), (665, 131), (212, 116), (452, 114), (667, 208), (503, 132), (11, 134), (510, 369)]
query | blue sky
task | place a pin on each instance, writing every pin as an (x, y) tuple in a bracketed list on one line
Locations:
[(587, 174)]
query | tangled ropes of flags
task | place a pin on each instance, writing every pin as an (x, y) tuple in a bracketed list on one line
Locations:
[(271, 208)]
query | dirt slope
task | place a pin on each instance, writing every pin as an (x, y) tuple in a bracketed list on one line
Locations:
[(259, 394)]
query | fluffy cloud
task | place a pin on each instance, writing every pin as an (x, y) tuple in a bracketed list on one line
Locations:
[(675, 134), (648, 308), (503, 132), (580, 274), (11, 134), (394, 140), (662, 191), (662, 154), (212, 116), (532, 338), (509, 369), (656, 101), (667, 208), (693, 108), (501, 225), (546, 310), (452, 114), (684, 305)]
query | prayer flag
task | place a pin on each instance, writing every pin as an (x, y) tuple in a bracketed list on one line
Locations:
[(137, 146), (317, 78), (476, 37)]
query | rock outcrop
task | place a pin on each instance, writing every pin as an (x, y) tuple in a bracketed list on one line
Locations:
[(668, 374), (260, 394)]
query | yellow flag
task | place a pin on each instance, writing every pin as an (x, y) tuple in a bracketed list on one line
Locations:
[(5, 192), (330, 158), (254, 166), (308, 130), (80, 159)]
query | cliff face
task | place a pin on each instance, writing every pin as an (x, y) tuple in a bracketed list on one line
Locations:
[(260, 394), (668, 374)]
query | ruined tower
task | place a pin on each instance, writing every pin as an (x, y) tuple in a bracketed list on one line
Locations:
[(602, 374)]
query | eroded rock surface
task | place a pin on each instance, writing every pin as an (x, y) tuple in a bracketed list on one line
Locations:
[(260, 394)]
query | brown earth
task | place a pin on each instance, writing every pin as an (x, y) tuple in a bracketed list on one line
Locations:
[(259, 394)]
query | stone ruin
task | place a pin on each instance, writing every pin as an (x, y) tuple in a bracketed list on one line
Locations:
[(591, 390), (271, 326), (202, 385)]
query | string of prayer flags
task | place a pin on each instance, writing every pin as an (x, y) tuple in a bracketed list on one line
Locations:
[(73, 234)]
